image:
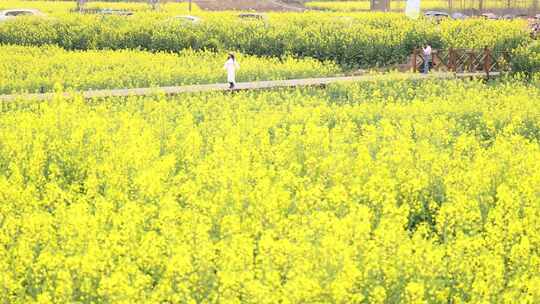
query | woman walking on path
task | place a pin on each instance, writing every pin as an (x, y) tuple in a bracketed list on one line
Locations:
[(231, 66)]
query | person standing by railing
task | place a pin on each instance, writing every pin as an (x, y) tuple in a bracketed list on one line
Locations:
[(427, 57)]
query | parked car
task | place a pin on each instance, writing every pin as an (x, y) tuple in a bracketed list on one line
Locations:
[(459, 16), (489, 16), (105, 11), (253, 16), (187, 19), (435, 15), (14, 13), (108, 11), (514, 16)]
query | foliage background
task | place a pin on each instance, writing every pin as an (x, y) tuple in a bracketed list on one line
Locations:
[(356, 40), (383, 192)]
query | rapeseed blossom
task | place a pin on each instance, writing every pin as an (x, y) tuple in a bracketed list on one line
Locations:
[(383, 192)]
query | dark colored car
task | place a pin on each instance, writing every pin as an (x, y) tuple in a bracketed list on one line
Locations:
[(14, 13), (253, 16)]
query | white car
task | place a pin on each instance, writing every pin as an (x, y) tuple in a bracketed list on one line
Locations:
[(489, 16), (187, 19), (459, 16), (435, 15), (14, 13)]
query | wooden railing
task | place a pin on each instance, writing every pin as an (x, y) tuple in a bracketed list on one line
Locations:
[(463, 60)]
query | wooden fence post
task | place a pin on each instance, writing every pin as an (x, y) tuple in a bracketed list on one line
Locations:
[(452, 60), (414, 54), (471, 61), (487, 61)]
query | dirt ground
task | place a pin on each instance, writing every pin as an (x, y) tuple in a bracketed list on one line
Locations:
[(251, 5)]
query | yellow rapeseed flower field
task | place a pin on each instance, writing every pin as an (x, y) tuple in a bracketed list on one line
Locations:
[(382, 192), (35, 69), (350, 39), (57, 8)]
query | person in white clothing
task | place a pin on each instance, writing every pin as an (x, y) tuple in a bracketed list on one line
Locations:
[(427, 58), (231, 66)]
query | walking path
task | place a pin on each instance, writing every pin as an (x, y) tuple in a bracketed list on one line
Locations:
[(258, 85)]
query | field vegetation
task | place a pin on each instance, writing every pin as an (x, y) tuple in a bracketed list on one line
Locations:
[(388, 191), (40, 69), (58, 8), (356, 40), (383, 192), (358, 6)]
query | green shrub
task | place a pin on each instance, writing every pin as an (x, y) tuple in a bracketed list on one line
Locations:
[(526, 59)]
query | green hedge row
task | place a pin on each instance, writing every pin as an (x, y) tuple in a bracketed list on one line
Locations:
[(360, 41)]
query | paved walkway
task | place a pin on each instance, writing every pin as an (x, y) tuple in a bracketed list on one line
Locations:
[(240, 86)]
